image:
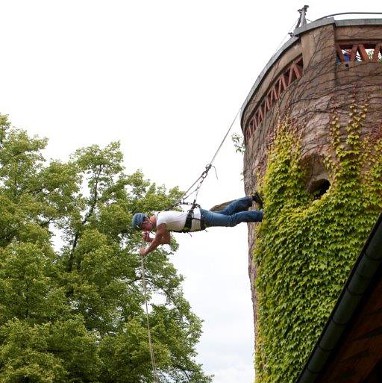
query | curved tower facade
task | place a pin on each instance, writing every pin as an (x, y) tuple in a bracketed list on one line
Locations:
[(325, 67), (318, 69)]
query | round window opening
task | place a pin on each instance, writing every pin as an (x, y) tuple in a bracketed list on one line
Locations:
[(319, 187)]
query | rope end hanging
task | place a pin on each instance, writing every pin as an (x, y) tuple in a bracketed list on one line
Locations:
[(150, 342)]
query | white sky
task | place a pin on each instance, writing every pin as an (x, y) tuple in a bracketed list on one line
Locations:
[(165, 78)]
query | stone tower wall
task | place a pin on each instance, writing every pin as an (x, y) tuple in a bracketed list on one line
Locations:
[(305, 81)]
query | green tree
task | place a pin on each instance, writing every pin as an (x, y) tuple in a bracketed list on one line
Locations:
[(71, 299)]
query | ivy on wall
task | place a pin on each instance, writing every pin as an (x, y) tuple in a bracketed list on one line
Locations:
[(306, 247)]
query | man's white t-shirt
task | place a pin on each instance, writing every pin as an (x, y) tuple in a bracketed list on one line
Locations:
[(175, 220)]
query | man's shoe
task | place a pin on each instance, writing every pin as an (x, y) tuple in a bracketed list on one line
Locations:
[(256, 197)]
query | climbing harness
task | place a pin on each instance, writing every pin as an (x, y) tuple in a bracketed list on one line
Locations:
[(190, 217), (152, 356)]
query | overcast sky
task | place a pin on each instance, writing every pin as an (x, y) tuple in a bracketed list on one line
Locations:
[(166, 79)]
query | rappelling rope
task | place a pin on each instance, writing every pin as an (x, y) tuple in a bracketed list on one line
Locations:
[(225, 137), (199, 181), (152, 356)]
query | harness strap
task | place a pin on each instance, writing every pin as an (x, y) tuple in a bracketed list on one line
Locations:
[(190, 216)]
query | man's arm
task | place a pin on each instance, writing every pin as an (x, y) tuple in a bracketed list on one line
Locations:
[(162, 237)]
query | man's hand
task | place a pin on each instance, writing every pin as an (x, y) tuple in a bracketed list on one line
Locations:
[(146, 236), (162, 237)]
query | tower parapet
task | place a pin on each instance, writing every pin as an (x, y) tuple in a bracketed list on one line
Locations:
[(318, 70)]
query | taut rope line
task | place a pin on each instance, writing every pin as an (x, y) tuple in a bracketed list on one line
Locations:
[(204, 174)]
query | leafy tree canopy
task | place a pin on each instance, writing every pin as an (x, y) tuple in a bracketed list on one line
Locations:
[(71, 299)]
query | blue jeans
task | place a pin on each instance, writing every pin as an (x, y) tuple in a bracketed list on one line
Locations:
[(236, 212)]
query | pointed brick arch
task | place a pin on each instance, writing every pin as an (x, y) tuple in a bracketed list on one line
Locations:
[(293, 72)]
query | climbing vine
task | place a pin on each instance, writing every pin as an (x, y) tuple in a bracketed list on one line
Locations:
[(306, 246)]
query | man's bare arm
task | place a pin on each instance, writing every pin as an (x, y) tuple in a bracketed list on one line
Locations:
[(162, 237)]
